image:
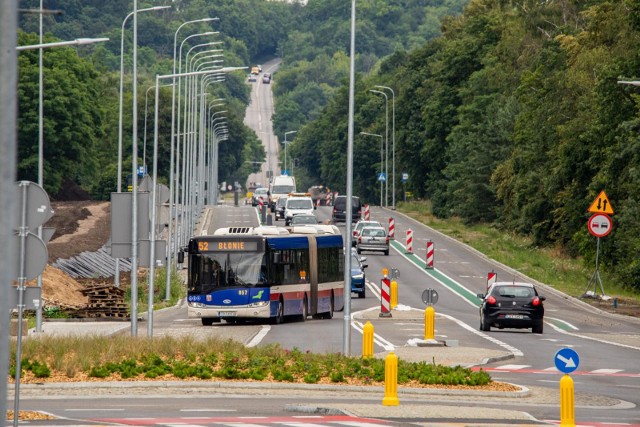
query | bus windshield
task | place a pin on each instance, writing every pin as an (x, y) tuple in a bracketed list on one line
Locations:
[(212, 271)]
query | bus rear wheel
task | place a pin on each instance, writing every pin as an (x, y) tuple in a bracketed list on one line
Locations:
[(329, 314), (305, 312)]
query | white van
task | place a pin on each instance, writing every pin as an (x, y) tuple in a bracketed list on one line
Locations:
[(281, 186)]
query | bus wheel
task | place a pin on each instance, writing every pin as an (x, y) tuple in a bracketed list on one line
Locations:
[(329, 314), (279, 313), (305, 313), (208, 321)]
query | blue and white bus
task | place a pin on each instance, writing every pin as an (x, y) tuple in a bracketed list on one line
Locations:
[(241, 274)]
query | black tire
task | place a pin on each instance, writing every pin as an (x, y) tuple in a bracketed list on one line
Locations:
[(279, 319), (537, 329), (386, 252), (329, 314), (208, 321), (484, 326), (359, 251), (305, 312), (362, 294)]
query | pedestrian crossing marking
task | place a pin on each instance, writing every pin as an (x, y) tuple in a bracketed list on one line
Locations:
[(605, 371), (513, 367)]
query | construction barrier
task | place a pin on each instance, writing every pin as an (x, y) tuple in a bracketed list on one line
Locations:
[(492, 277), (328, 199), (385, 294), (366, 213), (430, 254), (392, 228), (409, 245), (429, 323)]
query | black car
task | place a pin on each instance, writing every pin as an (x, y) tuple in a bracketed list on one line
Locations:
[(512, 305), (279, 209), (339, 213)]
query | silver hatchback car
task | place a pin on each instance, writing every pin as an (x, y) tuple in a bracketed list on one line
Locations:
[(373, 239)]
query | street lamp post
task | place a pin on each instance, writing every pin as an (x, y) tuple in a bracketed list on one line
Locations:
[(381, 158), (119, 178), (393, 145), (40, 47), (285, 147), (386, 147), (174, 163), (152, 242)]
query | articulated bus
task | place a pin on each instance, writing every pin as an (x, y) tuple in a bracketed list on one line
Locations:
[(246, 273)]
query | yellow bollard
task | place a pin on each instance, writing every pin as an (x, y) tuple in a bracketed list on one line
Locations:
[(391, 380), (567, 407), (394, 294), (429, 323), (367, 341)]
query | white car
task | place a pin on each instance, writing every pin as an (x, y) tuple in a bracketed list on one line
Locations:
[(297, 205)]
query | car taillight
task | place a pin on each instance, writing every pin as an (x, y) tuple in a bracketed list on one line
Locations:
[(536, 302), (387, 240), (491, 299), (359, 239)]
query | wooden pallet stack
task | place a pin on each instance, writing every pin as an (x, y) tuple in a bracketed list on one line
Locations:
[(104, 301)]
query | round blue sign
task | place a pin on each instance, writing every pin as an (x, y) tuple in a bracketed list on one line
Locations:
[(567, 360)]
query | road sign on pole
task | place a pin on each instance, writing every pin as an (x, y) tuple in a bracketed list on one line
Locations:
[(600, 225), (601, 204), (566, 360)]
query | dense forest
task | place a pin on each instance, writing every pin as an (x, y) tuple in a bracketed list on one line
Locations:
[(505, 112)]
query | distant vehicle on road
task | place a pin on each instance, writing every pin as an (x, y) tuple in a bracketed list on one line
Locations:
[(281, 186), (373, 239), (512, 305), (279, 211), (257, 194), (252, 78), (339, 213), (266, 78), (358, 277), (255, 70), (304, 219), (297, 204), (359, 226)]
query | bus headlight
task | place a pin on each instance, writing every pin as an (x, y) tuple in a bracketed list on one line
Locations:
[(259, 304), (196, 304)]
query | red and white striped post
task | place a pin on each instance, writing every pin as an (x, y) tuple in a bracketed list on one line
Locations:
[(392, 228), (367, 213), (260, 203), (385, 294), (409, 241), (492, 277), (430, 253), (328, 199)]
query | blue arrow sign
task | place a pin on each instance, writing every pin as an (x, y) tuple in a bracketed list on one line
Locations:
[(567, 360)]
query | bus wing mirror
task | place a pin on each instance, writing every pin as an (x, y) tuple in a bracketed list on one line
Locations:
[(180, 257)]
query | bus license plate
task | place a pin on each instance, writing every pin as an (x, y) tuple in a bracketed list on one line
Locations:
[(514, 316), (226, 313)]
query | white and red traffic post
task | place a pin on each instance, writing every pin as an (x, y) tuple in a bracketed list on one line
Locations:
[(392, 228), (385, 294), (409, 245), (367, 212), (492, 277), (430, 254)]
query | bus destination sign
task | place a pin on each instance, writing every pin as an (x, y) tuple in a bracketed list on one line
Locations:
[(228, 246)]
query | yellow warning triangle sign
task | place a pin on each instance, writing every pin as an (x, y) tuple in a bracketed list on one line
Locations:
[(601, 204)]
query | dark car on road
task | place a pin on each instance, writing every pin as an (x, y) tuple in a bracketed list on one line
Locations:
[(339, 213), (358, 279), (279, 209), (512, 305)]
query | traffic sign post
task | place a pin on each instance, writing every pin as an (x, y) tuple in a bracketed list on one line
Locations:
[(567, 361), (599, 225)]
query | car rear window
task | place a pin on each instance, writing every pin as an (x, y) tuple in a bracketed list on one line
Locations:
[(515, 292), (373, 232)]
